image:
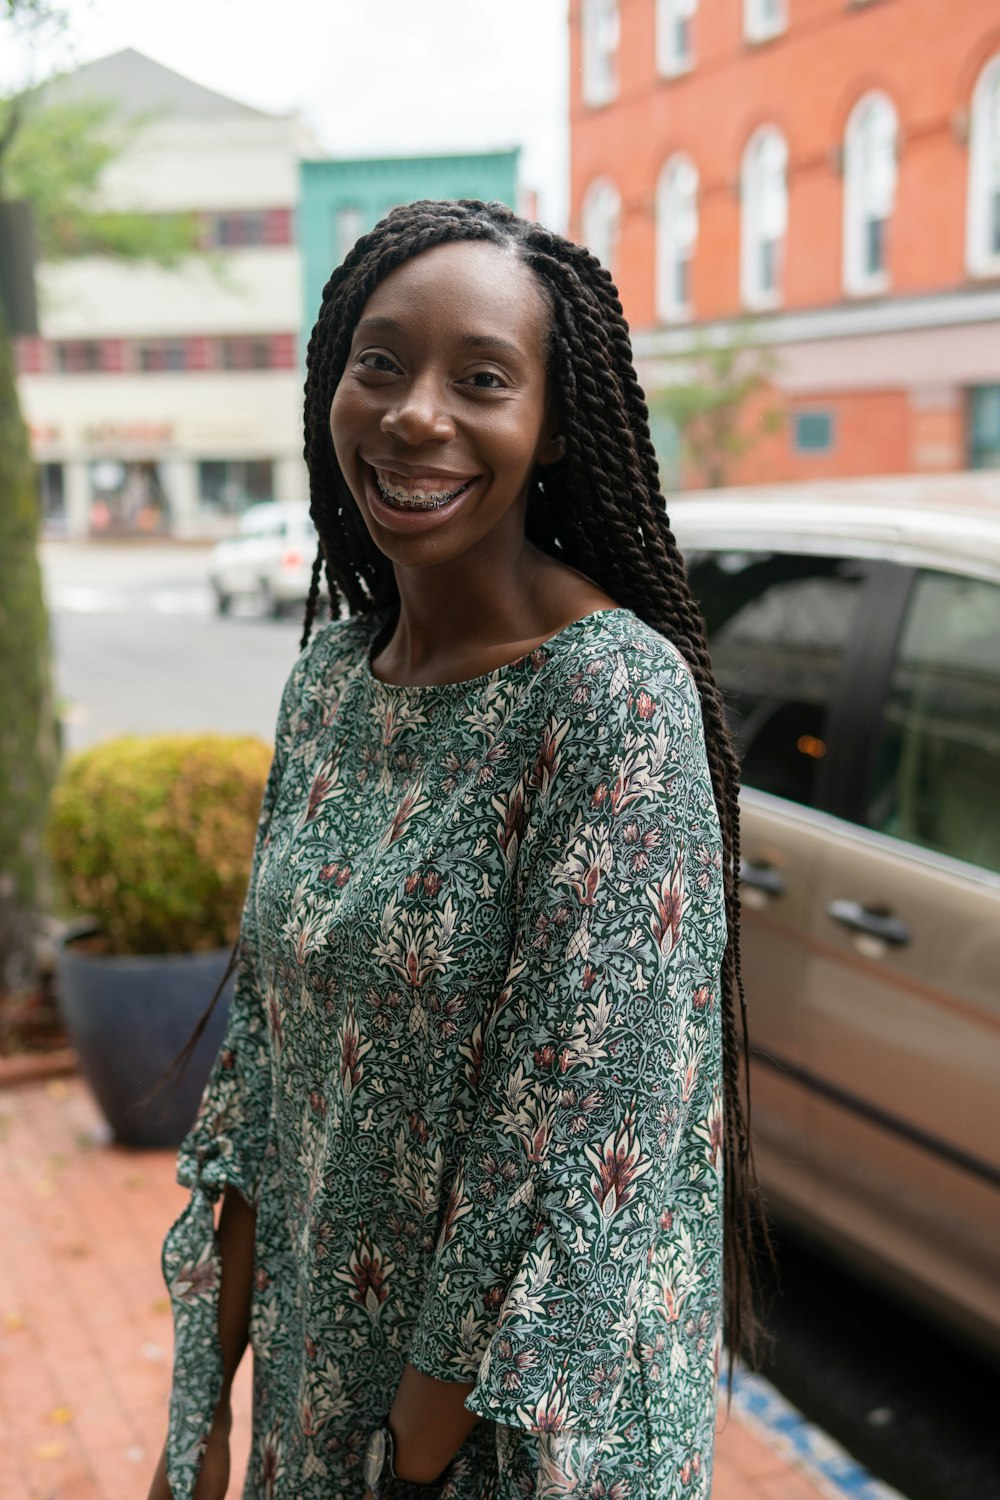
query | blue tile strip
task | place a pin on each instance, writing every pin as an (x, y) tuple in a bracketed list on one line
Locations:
[(831, 1468)]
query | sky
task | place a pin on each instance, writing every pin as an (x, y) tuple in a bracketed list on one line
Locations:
[(371, 77)]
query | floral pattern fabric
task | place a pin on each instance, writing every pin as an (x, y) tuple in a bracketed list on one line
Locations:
[(471, 1079)]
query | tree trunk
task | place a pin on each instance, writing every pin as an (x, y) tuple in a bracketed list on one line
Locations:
[(27, 729)]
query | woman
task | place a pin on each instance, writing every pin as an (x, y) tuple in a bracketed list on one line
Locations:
[(467, 1122)]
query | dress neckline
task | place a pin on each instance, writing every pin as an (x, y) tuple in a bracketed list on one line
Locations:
[(487, 679)]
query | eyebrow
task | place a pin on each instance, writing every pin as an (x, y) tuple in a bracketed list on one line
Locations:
[(481, 341)]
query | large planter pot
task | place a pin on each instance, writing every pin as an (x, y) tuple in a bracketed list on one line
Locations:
[(128, 1018)]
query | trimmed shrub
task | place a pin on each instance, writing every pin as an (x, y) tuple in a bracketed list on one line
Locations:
[(152, 837)]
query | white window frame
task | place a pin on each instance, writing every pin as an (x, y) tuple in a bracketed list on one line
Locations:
[(671, 16), (676, 234), (349, 227), (601, 221), (859, 280), (600, 34), (763, 19), (981, 258), (753, 207)]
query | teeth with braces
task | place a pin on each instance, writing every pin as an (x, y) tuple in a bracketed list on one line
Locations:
[(403, 501)]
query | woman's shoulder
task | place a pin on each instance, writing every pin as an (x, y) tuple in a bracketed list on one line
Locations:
[(613, 652)]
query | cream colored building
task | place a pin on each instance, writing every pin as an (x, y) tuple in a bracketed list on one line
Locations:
[(169, 399)]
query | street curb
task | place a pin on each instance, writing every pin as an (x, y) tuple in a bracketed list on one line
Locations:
[(36, 1067), (787, 1432)]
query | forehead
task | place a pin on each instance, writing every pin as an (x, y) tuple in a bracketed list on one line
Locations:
[(461, 289)]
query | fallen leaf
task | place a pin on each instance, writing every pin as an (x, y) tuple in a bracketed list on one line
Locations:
[(60, 1415)]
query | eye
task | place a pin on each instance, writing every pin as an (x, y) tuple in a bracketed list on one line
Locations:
[(487, 380), (381, 364)]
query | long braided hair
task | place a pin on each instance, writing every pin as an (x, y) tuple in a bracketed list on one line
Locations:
[(599, 509)]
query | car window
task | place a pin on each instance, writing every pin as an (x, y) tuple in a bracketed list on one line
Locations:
[(937, 779), (778, 625), (255, 527)]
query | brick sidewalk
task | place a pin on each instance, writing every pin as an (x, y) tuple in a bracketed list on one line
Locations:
[(85, 1328)]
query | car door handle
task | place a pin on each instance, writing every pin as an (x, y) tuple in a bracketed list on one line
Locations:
[(762, 877), (876, 924)]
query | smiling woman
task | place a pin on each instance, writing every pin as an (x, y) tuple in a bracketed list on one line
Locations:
[(442, 418), (481, 1080)]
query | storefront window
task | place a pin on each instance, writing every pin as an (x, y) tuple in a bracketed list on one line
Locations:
[(228, 485), (52, 496), (127, 497), (984, 427)]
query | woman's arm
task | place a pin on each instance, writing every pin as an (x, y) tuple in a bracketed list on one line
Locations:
[(429, 1424), (237, 1225)]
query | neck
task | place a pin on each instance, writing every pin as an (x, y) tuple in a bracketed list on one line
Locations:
[(461, 611)]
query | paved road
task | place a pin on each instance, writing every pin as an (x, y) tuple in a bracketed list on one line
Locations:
[(138, 648)]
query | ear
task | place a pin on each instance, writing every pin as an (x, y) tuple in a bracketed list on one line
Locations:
[(552, 450)]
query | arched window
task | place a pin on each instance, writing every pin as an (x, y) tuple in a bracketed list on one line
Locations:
[(763, 19), (674, 42), (763, 217), (983, 231), (869, 193), (676, 236), (601, 221), (599, 34)]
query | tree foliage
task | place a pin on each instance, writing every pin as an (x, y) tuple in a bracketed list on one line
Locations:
[(715, 398), (55, 158)]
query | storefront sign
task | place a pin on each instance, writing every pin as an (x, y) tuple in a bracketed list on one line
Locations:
[(110, 434)]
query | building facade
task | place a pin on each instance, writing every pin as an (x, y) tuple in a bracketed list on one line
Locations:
[(343, 199), (167, 400), (829, 170)]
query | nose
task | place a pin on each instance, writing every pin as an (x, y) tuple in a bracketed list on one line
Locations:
[(419, 415)]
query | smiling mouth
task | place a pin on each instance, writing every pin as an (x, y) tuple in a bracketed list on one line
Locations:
[(402, 497)]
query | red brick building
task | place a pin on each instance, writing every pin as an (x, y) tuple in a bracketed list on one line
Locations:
[(830, 168)]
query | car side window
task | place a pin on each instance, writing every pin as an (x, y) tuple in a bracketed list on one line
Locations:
[(778, 626), (937, 774)]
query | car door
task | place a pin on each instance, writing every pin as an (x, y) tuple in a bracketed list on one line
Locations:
[(782, 628), (901, 1017)]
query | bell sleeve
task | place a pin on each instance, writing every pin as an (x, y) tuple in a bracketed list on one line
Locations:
[(586, 1063), (225, 1146)]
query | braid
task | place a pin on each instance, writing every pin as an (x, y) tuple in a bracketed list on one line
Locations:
[(620, 539)]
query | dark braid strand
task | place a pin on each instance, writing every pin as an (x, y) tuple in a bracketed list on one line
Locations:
[(600, 509)]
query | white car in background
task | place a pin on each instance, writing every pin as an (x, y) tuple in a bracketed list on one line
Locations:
[(269, 560)]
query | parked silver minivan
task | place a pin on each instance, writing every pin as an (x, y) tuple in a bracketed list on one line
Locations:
[(855, 634)]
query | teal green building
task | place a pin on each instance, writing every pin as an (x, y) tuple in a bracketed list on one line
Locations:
[(339, 200)]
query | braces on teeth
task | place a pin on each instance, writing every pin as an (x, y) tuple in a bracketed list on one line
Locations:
[(402, 501)]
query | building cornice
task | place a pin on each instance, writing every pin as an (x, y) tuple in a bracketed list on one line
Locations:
[(843, 321)]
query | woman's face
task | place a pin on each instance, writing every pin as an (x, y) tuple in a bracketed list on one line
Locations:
[(441, 414)]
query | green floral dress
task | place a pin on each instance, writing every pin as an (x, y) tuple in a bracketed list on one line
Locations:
[(471, 1077)]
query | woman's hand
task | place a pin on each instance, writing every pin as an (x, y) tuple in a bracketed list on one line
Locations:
[(213, 1479), (159, 1489)]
